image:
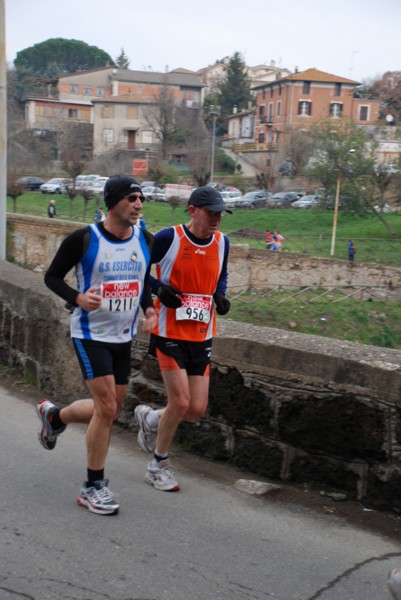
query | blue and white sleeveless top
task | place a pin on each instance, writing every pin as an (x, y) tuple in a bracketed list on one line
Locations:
[(119, 269)]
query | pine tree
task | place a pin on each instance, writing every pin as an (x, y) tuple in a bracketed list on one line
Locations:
[(122, 60), (235, 89)]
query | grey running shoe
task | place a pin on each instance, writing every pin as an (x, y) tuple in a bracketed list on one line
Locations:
[(146, 435), (394, 583), (46, 434), (160, 475), (98, 498)]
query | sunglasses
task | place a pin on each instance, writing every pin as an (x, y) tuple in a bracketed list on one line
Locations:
[(135, 197)]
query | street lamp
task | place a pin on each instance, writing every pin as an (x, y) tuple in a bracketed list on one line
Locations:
[(337, 200), (214, 111)]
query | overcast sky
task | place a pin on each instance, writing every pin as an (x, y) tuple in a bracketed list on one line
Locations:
[(359, 39)]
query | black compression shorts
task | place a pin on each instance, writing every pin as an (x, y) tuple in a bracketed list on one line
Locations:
[(194, 357), (98, 359)]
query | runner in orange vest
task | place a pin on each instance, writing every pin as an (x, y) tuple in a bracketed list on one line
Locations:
[(191, 283)]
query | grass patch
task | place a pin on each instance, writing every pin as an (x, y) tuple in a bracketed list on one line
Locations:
[(368, 322)]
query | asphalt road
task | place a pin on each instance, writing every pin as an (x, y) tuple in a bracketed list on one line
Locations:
[(207, 542)]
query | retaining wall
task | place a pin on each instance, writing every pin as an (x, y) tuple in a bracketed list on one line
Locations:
[(282, 405)]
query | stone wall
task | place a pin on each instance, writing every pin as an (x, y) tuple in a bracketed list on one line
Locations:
[(33, 241), (282, 405)]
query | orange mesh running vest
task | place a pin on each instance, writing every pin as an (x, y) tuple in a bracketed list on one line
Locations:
[(192, 269)]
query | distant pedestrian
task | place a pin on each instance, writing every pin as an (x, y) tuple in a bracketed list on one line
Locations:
[(351, 250), (99, 215), (279, 240), (269, 239), (51, 209), (141, 222)]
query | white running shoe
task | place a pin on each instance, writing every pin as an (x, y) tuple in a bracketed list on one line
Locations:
[(161, 476), (394, 583), (98, 498), (46, 434), (146, 435)]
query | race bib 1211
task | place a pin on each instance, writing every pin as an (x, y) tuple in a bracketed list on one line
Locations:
[(118, 296)]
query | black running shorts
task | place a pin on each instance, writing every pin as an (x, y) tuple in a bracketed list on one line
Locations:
[(194, 357), (98, 359)]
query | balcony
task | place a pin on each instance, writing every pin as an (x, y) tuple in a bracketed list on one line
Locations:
[(272, 147)]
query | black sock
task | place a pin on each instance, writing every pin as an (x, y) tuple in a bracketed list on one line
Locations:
[(160, 457), (54, 418), (94, 476)]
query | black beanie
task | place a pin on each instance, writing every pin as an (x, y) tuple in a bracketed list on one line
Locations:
[(119, 186)]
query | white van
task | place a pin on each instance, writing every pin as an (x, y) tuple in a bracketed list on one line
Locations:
[(84, 181)]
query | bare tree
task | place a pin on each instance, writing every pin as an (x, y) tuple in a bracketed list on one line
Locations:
[(14, 189), (87, 195), (298, 150), (159, 117)]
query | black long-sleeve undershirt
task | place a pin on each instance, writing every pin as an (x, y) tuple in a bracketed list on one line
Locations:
[(70, 252)]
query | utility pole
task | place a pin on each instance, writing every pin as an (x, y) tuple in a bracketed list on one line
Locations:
[(337, 200), (214, 111), (3, 131)]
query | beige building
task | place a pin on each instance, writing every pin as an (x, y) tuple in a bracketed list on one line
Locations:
[(117, 102)]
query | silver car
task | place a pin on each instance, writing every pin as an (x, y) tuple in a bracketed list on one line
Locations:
[(231, 198), (256, 199), (282, 199), (307, 201)]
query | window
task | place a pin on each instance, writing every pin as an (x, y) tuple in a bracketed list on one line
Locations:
[(72, 113), (73, 88), (87, 90), (108, 136), (278, 111), (261, 110), (270, 111), (271, 92), (306, 87), (45, 111), (100, 91), (132, 112), (337, 89), (107, 112), (279, 89), (364, 113), (305, 108), (336, 109), (261, 137), (147, 137)]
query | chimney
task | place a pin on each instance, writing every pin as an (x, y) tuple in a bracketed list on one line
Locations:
[(235, 109)]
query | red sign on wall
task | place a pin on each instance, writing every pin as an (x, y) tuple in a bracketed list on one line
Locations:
[(139, 167)]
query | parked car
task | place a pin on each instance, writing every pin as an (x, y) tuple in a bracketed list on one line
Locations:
[(255, 199), (154, 193), (282, 199), (231, 198), (307, 201), (57, 185), (148, 184), (97, 186), (83, 182), (31, 183)]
